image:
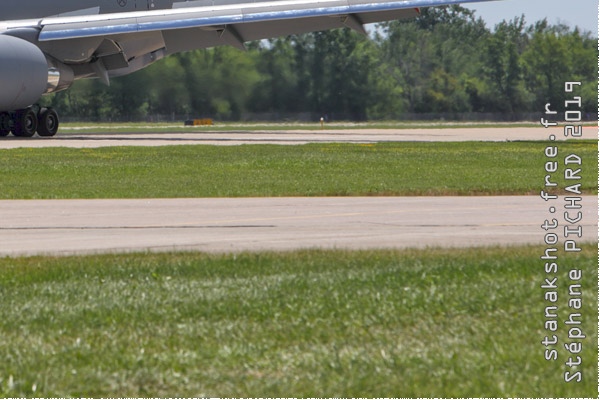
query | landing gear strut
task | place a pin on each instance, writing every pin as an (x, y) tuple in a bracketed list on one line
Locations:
[(25, 123)]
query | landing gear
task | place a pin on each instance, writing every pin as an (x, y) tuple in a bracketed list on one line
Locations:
[(47, 122), (25, 123)]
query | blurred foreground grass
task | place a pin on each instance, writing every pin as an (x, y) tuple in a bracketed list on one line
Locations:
[(412, 323)]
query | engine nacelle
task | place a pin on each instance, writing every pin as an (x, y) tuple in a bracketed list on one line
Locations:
[(26, 74)]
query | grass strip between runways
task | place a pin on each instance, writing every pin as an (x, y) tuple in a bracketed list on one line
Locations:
[(411, 323), (403, 169)]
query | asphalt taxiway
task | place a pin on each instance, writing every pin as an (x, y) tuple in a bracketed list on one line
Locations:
[(30, 227), (75, 139)]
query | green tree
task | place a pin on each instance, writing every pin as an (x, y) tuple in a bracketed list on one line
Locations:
[(502, 68), (546, 62), (346, 59), (433, 56), (275, 91), (168, 87)]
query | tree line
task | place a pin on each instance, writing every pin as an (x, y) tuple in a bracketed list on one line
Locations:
[(444, 61)]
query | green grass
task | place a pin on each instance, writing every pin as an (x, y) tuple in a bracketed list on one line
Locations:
[(430, 323), (270, 170)]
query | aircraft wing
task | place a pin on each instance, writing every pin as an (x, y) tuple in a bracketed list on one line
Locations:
[(128, 41), (252, 20)]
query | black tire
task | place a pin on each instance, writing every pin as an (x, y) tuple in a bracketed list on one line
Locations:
[(47, 122), (4, 124), (25, 123)]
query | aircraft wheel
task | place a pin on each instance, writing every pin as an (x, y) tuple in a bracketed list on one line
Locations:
[(47, 122), (25, 123), (4, 124)]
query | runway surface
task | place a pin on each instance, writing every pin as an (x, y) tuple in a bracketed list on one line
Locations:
[(71, 137), (29, 227)]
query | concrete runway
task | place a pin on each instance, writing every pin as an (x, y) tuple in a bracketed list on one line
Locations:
[(29, 227), (71, 137)]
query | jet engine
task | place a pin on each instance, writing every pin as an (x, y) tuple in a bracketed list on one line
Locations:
[(26, 74)]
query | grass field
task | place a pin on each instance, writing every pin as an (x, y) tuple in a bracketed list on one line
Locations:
[(431, 323), (270, 170)]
